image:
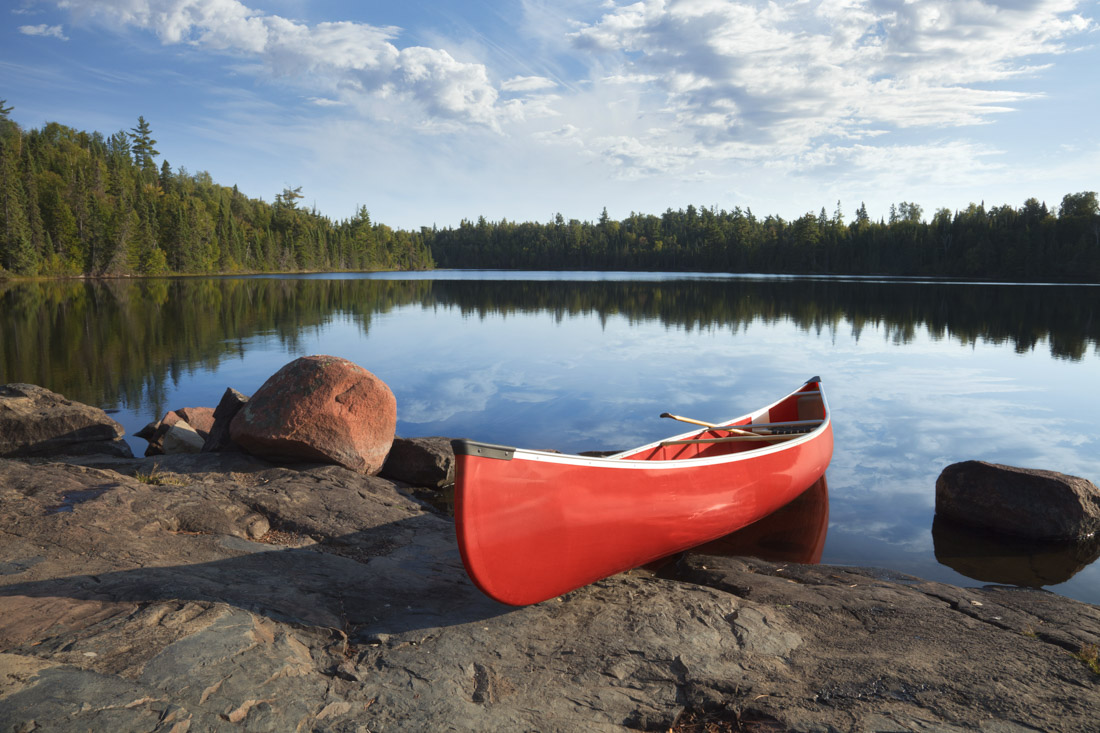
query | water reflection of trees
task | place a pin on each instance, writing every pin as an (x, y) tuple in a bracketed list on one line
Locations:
[(120, 341), (1066, 317)]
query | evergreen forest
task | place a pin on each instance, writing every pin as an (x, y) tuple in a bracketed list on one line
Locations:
[(78, 203), (1027, 244)]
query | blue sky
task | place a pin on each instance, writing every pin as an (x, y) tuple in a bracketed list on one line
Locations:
[(430, 111)]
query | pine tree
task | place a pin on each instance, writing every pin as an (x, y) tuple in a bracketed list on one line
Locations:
[(142, 143)]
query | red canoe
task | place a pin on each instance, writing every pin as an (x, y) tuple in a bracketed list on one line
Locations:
[(535, 524), (793, 533)]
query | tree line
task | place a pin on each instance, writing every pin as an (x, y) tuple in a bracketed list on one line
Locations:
[(1029, 243), (79, 203), (76, 203)]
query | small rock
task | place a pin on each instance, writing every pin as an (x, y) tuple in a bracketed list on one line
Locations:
[(426, 462), (156, 440), (256, 525), (1019, 501), (147, 432), (320, 409), (218, 440), (182, 438), (199, 418)]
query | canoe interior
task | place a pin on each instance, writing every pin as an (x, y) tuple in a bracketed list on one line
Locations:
[(805, 405)]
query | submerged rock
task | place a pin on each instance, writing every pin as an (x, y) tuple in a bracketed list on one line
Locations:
[(37, 422), (323, 409), (1025, 502)]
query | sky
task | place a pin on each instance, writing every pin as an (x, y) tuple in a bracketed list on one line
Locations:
[(431, 111)]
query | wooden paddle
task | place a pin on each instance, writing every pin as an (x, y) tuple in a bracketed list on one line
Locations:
[(707, 424)]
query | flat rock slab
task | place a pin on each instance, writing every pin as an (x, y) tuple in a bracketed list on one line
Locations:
[(142, 595), (37, 422)]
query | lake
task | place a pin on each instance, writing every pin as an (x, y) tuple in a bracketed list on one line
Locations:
[(919, 374)]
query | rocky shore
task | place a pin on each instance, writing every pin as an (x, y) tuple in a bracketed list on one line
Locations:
[(219, 591)]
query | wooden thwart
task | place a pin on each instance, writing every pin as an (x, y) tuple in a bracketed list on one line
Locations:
[(788, 424)]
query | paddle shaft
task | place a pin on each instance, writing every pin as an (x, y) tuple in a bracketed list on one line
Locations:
[(705, 424), (740, 429)]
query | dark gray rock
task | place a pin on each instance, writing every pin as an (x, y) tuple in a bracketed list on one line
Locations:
[(37, 422), (1019, 501), (889, 652), (150, 604), (428, 462), (218, 440)]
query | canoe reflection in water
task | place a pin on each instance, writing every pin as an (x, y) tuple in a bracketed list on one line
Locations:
[(793, 533), (996, 558)]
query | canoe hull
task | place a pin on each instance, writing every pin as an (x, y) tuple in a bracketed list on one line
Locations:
[(532, 525)]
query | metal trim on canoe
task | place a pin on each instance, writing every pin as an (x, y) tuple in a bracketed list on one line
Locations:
[(463, 447)]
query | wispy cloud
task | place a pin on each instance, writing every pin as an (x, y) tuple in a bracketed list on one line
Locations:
[(795, 72), (527, 84), (52, 31), (633, 103)]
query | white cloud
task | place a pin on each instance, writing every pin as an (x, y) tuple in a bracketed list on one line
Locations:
[(527, 84), (565, 135), (718, 101), (53, 31), (794, 72), (355, 61)]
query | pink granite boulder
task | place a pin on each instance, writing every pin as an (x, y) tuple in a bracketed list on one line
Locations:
[(323, 409)]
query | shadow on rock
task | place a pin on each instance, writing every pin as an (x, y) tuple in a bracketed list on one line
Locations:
[(415, 587), (131, 542)]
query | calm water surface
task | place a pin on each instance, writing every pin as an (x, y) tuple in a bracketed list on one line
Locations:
[(918, 374)]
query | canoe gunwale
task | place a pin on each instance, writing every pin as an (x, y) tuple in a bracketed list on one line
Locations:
[(614, 461)]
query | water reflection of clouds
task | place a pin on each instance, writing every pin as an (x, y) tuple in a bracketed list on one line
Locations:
[(526, 396), (449, 396)]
